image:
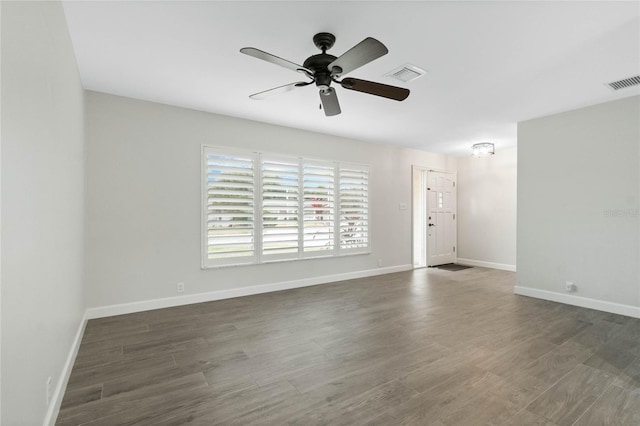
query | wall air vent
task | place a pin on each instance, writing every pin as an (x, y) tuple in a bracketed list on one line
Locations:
[(626, 83), (406, 73)]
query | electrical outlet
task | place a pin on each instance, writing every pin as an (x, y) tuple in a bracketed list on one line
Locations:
[(379, 262), (48, 390), (570, 286), (180, 287)]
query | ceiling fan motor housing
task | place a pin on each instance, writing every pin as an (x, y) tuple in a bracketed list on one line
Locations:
[(319, 65)]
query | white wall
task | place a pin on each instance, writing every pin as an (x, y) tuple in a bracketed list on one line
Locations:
[(487, 209), (0, 219), (578, 191), (143, 199), (42, 205)]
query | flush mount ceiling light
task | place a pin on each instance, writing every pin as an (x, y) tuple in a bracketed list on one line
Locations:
[(483, 149)]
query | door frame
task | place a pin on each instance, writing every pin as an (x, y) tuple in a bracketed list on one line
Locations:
[(421, 196)]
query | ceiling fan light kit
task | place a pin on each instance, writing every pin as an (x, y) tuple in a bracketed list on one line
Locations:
[(323, 69)]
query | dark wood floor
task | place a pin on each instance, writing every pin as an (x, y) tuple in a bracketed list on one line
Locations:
[(426, 347)]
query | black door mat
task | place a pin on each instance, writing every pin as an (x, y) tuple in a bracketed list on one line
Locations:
[(453, 267)]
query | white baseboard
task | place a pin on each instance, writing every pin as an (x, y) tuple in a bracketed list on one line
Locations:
[(147, 305), (61, 384), (482, 264), (584, 302)]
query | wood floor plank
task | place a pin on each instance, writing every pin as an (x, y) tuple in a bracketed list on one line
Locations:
[(629, 378), (87, 359), (362, 408), (527, 418), (165, 346), (610, 359), (568, 399), (81, 396), (616, 406), (424, 347), (562, 330), (81, 377), (597, 334), (144, 378), (545, 371), (426, 408), (492, 401), (518, 356), (232, 408), (109, 406)]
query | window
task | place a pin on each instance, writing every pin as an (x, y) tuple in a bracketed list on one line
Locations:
[(280, 208), (319, 208), (229, 208), (354, 208), (261, 208)]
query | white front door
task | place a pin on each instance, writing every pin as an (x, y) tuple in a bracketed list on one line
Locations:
[(441, 218)]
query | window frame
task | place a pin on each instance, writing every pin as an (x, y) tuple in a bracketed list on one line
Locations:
[(257, 161)]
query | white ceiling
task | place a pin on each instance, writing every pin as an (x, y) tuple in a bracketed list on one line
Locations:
[(491, 64)]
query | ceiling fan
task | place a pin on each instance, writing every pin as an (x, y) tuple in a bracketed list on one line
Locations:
[(323, 69)]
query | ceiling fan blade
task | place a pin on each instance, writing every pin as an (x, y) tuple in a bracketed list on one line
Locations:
[(373, 88), (360, 54), (276, 90), (329, 101), (257, 53)]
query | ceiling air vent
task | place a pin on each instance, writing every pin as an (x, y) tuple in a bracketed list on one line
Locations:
[(406, 73), (623, 84)]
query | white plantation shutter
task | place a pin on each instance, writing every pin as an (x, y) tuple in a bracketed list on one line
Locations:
[(260, 208), (229, 215), (319, 208), (354, 208), (280, 207)]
